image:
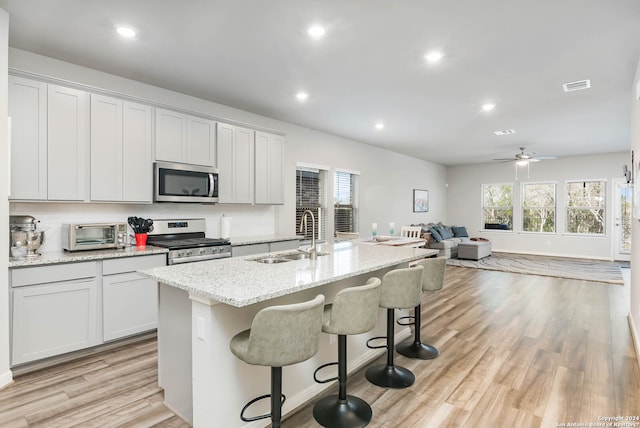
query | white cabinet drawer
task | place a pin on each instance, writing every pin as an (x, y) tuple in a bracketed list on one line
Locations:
[(132, 264), (53, 273)]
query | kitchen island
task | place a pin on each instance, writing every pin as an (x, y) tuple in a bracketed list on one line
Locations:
[(203, 305)]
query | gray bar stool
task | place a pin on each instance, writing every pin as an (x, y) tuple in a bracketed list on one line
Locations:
[(353, 311), (279, 336), (432, 280), (401, 289)]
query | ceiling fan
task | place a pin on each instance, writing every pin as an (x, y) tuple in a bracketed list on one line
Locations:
[(523, 158)]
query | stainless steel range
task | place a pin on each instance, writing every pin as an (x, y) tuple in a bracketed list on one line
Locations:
[(186, 241)]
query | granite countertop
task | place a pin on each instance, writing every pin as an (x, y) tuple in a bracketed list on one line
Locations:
[(242, 281), (249, 240), (56, 257)]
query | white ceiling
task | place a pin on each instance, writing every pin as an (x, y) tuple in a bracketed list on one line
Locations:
[(255, 55)]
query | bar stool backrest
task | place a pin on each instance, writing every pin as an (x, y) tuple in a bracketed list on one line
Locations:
[(401, 288), (354, 309), (433, 276), (285, 334)]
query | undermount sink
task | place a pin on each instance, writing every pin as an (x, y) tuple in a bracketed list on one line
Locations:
[(283, 258), (273, 260), (300, 256)]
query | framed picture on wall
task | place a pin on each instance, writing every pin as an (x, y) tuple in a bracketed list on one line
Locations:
[(420, 201)]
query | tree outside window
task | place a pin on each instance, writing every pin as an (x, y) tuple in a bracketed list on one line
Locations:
[(497, 201), (539, 207), (586, 201)]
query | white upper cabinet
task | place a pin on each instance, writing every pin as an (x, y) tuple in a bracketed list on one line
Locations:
[(201, 141), (121, 167), (236, 147), (67, 144), (171, 136), (185, 139), (269, 160), (28, 112), (106, 148)]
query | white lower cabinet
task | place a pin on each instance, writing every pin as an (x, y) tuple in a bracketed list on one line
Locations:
[(66, 307), (51, 319), (129, 301)]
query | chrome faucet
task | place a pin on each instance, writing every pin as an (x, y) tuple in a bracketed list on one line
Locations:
[(303, 227)]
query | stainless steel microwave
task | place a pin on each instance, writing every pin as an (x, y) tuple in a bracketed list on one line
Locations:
[(177, 182), (93, 236)]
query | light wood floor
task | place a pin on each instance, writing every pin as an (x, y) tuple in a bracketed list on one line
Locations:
[(517, 351)]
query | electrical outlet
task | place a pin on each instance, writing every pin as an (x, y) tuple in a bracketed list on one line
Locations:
[(200, 328)]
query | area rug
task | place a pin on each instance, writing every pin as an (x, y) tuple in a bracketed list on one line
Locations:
[(583, 269)]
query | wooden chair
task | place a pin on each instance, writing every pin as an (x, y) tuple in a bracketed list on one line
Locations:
[(411, 231), (347, 236)]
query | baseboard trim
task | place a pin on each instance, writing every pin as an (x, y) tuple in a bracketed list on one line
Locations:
[(634, 337), (566, 256), (6, 379)]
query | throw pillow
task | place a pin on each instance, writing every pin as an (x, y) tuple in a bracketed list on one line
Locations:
[(444, 232), (460, 231), (435, 234)]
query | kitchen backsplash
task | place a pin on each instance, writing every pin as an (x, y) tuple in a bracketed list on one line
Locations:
[(247, 220)]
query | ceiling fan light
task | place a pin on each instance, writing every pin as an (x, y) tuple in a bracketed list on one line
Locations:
[(523, 162)]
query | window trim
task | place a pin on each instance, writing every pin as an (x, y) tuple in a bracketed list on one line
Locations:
[(606, 207), (322, 226), (355, 195), (555, 200), (482, 207)]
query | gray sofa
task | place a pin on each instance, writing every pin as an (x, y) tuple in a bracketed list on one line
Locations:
[(444, 238)]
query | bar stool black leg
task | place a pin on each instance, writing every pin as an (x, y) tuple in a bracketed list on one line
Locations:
[(390, 375), (342, 410), (276, 393), (417, 349)]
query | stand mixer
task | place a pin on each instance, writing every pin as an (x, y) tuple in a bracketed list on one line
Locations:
[(25, 240)]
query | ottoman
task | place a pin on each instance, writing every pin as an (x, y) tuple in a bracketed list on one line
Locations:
[(474, 250)]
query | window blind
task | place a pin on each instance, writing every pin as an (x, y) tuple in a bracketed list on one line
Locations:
[(345, 202), (311, 195)]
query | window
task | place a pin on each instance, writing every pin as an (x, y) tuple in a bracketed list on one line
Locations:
[(586, 207), (345, 201), (539, 207), (311, 195), (497, 204)]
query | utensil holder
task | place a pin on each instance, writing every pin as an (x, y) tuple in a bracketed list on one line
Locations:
[(141, 240)]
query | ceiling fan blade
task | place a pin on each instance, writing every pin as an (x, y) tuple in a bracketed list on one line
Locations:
[(544, 157), (505, 160), (533, 159)]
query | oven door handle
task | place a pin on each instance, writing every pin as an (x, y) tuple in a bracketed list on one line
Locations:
[(199, 258)]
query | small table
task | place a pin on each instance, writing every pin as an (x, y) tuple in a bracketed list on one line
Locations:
[(474, 250)]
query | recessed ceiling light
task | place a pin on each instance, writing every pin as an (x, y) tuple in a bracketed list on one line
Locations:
[(488, 106), (302, 96), (505, 132), (433, 57), (379, 126), (126, 32), (317, 31)]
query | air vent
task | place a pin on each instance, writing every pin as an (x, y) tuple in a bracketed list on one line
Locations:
[(505, 132), (577, 85)]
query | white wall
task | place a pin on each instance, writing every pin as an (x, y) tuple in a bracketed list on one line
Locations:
[(465, 203), (386, 183), (634, 310), (5, 373)]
